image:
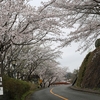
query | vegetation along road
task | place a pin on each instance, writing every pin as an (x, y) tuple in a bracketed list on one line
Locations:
[(63, 92)]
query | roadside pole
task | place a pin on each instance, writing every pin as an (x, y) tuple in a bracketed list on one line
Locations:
[(1, 85)]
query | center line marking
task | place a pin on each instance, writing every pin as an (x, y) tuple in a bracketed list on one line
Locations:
[(51, 91)]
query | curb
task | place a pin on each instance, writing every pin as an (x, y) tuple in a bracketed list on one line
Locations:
[(85, 90)]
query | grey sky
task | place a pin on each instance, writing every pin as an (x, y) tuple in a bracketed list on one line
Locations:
[(70, 58)]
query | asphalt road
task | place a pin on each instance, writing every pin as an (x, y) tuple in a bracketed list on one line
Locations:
[(63, 92)]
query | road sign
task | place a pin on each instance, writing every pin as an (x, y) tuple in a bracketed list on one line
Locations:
[(1, 90), (40, 81), (1, 85), (0, 81)]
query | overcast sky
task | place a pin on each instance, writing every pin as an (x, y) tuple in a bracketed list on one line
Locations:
[(70, 58)]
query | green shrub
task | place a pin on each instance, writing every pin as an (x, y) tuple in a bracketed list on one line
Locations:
[(97, 43), (15, 88)]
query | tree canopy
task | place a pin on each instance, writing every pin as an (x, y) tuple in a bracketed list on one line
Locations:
[(25, 31), (86, 15)]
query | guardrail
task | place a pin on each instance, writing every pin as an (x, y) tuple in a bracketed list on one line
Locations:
[(60, 83)]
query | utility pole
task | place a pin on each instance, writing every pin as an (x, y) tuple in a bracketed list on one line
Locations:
[(1, 85)]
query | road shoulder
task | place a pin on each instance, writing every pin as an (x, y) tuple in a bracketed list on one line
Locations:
[(85, 90)]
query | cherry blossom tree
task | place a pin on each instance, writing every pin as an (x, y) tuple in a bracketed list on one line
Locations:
[(50, 72), (21, 24), (26, 25), (22, 62), (61, 74), (84, 15), (11, 65), (47, 72)]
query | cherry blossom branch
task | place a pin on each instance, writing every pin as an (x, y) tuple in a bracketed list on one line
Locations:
[(97, 1), (45, 6)]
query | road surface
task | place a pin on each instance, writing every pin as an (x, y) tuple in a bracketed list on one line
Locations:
[(63, 92)]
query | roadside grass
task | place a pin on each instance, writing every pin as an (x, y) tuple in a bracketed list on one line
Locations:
[(34, 88), (96, 89), (26, 95)]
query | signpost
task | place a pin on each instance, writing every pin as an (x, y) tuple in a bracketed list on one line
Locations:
[(1, 86), (40, 81)]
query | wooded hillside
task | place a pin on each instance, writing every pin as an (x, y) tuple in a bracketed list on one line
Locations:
[(89, 72)]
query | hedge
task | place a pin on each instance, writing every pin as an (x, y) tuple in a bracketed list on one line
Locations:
[(15, 88)]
